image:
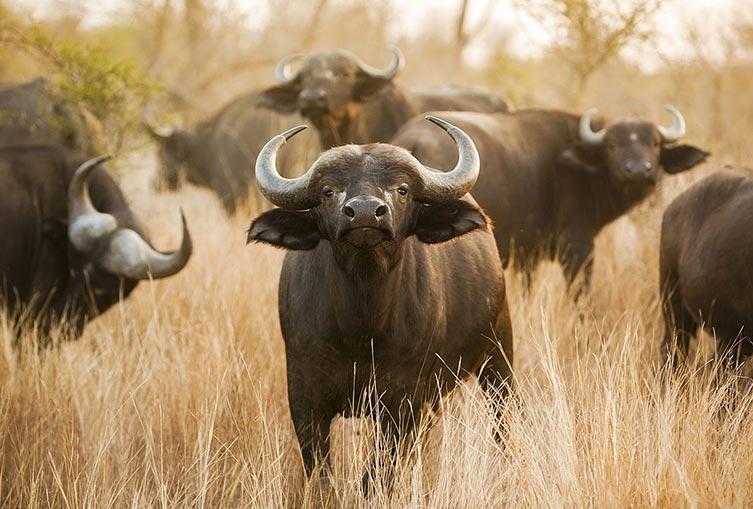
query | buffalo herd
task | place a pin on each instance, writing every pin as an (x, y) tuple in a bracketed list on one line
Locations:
[(392, 288)]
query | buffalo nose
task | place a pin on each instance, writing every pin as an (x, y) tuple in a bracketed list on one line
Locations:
[(312, 97), (638, 166), (366, 210)]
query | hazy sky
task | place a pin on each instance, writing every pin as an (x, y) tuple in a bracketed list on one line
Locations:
[(526, 37)]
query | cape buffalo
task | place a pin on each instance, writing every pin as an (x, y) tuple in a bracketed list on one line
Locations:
[(348, 101), (31, 113), (370, 288), (218, 152), (706, 276), (72, 245), (550, 183)]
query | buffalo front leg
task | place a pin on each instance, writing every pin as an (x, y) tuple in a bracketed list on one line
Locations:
[(576, 256), (312, 423), (395, 425), (679, 324), (496, 376)]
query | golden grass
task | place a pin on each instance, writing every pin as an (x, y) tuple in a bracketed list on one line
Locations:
[(177, 398)]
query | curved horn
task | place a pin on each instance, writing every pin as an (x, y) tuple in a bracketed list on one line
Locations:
[(282, 71), (454, 184), (677, 129), (130, 256), (79, 202), (398, 61), (286, 193), (586, 134), (86, 225)]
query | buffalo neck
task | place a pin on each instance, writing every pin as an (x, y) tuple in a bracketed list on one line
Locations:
[(374, 121), (600, 199), (364, 301)]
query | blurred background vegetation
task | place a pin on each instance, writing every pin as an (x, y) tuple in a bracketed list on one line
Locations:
[(189, 57)]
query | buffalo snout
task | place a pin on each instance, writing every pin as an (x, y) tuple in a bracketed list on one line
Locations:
[(312, 100), (637, 167), (366, 221), (365, 211)]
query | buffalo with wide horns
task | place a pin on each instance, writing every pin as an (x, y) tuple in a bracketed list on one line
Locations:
[(371, 291), (349, 101), (73, 245), (550, 182)]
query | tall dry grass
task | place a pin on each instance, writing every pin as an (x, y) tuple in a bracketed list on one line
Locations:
[(177, 398)]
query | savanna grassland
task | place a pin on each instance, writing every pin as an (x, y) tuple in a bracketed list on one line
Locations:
[(177, 398)]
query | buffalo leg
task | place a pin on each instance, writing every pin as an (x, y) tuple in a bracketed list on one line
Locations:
[(394, 426), (312, 425), (574, 258), (495, 376), (679, 324)]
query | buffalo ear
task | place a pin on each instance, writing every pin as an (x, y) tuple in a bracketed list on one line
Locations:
[(447, 220), (582, 157), (286, 229), (368, 87), (280, 98), (682, 157)]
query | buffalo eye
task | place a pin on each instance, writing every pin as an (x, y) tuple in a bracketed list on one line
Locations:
[(328, 193), (403, 190)]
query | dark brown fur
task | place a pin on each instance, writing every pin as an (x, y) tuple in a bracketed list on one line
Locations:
[(347, 105), (40, 272), (394, 303), (548, 193), (706, 275), (219, 153)]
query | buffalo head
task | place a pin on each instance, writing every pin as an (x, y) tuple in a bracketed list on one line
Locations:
[(327, 86), (179, 158), (106, 252), (632, 152), (366, 200)]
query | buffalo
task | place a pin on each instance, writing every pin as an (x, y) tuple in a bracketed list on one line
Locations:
[(349, 101), (704, 266), (218, 152), (73, 247), (550, 183), (392, 276), (32, 113)]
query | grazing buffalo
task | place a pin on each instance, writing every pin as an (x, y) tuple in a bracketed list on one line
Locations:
[(706, 277), (550, 183), (348, 101), (371, 289), (31, 113), (218, 152), (73, 247)]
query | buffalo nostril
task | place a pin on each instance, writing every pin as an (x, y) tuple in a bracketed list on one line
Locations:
[(381, 210), (348, 210)]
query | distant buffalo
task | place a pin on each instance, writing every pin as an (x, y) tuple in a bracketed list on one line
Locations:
[(72, 246), (32, 113), (706, 276), (550, 183), (219, 152), (348, 101), (372, 289)]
